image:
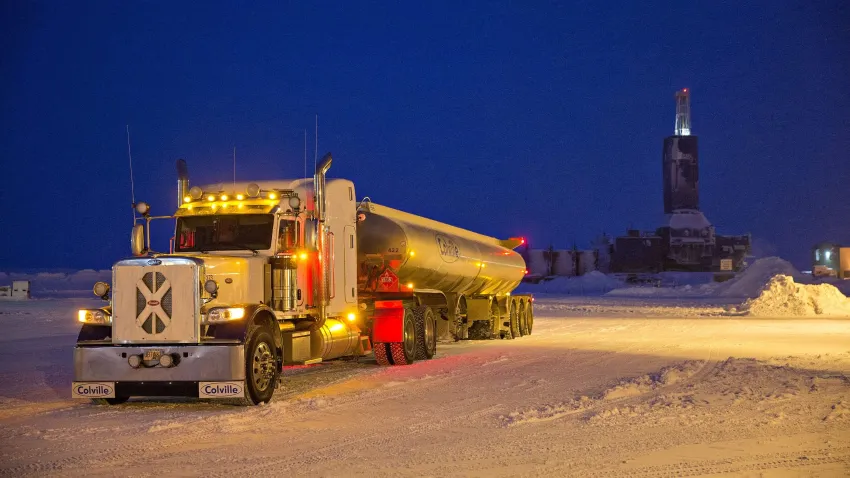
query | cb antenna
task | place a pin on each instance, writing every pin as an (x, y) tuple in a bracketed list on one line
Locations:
[(316, 152), (132, 186), (305, 155), (234, 170)]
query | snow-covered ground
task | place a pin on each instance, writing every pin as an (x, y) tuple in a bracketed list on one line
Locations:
[(607, 386)]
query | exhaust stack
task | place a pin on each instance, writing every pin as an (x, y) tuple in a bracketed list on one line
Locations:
[(324, 254), (182, 181)]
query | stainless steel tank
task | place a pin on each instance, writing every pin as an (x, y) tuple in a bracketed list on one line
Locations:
[(431, 255)]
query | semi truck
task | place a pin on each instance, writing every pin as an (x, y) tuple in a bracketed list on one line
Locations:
[(264, 274)]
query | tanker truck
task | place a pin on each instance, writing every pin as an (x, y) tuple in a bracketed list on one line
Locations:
[(270, 273)]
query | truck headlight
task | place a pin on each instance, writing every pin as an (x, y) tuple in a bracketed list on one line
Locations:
[(224, 314), (94, 316)]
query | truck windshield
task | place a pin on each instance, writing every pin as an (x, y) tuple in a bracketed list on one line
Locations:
[(250, 232)]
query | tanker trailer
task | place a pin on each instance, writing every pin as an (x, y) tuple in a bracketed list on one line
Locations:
[(420, 277)]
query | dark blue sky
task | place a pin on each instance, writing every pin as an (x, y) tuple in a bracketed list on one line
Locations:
[(505, 119)]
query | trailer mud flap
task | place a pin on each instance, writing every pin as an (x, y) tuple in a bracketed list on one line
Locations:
[(388, 325)]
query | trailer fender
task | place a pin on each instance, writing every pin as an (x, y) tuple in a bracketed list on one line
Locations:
[(388, 324)]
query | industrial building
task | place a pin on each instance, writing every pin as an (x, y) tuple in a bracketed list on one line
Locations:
[(19, 290), (831, 260)]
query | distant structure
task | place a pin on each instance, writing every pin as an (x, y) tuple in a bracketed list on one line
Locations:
[(830, 259), (19, 290), (680, 163), (687, 242)]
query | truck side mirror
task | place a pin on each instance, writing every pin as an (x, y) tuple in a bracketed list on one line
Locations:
[(137, 241), (311, 234)]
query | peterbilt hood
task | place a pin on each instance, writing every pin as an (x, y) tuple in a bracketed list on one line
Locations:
[(240, 279)]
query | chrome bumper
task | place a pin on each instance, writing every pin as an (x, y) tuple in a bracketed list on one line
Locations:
[(204, 363)]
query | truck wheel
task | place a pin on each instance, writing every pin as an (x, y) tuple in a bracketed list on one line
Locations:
[(426, 332), (404, 353), (382, 356), (529, 317), (514, 324), (109, 401), (261, 366), (522, 318)]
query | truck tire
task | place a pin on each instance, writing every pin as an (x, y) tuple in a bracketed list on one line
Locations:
[(514, 327), (404, 353), (529, 317), (426, 332), (523, 320), (382, 356), (109, 401), (262, 367)]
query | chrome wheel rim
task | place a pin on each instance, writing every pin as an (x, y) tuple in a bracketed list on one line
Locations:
[(263, 366), (409, 336), (430, 333)]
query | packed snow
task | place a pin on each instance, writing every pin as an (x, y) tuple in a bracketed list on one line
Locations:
[(746, 284), (784, 297), (605, 386)]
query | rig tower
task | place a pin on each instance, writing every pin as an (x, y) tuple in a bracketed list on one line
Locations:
[(680, 161), (683, 113)]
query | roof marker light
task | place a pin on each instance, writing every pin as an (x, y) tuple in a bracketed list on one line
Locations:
[(187, 199), (210, 198), (240, 196), (272, 196), (224, 197)]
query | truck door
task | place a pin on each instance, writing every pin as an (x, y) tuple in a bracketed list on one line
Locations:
[(350, 267)]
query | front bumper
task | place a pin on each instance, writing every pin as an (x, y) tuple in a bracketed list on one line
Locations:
[(197, 363)]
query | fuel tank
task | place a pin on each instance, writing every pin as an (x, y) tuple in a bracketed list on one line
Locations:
[(430, 255)]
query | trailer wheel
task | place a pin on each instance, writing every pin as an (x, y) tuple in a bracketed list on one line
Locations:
[(514, 328), (382, 356), (529, 316), (522, 316), (109, 401), (261, 366), (404, 353), (426, 332)]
